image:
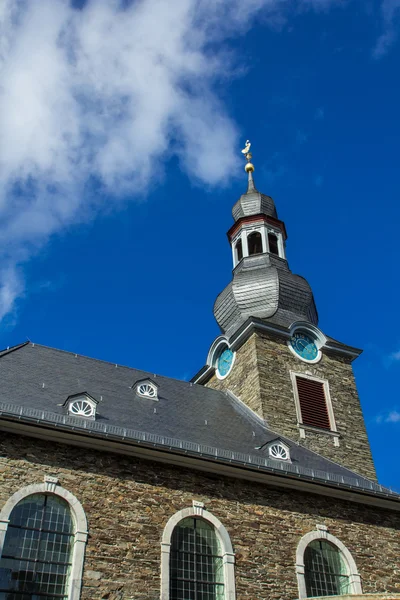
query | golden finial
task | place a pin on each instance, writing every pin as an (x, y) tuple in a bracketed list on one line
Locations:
[(249, 168)]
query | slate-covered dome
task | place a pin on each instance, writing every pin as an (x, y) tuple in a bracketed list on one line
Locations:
[(263, 287), (253, 203)]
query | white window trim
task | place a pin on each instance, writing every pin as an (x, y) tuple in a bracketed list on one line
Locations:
[(314, 333), (215, 349), (302, 427), (278, 234), (322, 534), (50, 486), (217, 373), (255, 229), (284, 446), (264, 229), (83, 398), (228, 556), (214, 353), (234, 242), (151, 384)]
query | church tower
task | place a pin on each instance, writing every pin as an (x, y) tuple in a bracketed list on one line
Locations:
[(271, 353)]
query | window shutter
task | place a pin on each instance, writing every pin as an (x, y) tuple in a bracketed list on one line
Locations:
[(312, 401)]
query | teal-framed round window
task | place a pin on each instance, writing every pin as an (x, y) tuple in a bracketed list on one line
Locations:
[(224, 362)]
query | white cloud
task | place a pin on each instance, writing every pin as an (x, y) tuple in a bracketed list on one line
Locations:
[(390, 14), (107, 94), (391, 358), (391, 417)]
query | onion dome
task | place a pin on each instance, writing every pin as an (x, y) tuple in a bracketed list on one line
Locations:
[(253, 203), (263, 287)]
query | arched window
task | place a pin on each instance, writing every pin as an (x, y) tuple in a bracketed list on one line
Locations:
[(36, 557), (254, 243), (42, 539), (273, 244), (196, 567), (197, 557), (325, 567), (325, 570), (239, 250)]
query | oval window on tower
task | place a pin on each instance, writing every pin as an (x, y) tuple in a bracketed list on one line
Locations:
[(224, 362)]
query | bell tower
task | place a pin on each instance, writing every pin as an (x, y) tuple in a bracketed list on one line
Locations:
[(271, 353)]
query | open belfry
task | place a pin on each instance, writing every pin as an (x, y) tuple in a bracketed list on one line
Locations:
[(253, 481)]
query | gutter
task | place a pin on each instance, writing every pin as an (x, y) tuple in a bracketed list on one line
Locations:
[(95, 435)]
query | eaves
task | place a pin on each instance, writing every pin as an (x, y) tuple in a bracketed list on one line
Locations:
[(194, 456)]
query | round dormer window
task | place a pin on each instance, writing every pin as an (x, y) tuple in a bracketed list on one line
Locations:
[(81, 408), (147, 390), (279, 452)]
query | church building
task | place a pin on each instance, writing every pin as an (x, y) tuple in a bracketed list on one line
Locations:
[(253, 481)]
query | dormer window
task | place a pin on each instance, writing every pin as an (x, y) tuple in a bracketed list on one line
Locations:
[(276, 449), (147, 389), (279, 451), (82, 405)]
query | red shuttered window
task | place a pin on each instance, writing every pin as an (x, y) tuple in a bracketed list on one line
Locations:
[(312, 402)]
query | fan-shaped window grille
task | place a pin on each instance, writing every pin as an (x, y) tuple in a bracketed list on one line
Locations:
[(37, 552), (326, 572), (196, 564), (147, 390), (278, 451), (82, 408)]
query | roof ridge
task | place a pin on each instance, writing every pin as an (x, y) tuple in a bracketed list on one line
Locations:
[(245, 410), (107, 362), (10, 349)]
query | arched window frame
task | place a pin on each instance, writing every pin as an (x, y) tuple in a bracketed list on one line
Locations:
[(50, 486), (252, 233), (322, 534), (238, 251), (228, 556)]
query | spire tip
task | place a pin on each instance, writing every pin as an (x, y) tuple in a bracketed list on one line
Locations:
[(249, 167)]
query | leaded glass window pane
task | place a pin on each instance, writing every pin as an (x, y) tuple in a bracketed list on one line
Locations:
[(325, 570), (196, 567), (36, 559)]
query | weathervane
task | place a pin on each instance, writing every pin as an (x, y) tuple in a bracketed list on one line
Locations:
[(249, 168)]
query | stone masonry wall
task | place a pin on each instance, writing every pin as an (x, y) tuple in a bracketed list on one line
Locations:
[(261, 378), (129, 501)]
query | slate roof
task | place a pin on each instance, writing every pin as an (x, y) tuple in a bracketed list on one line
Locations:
[(36, 381), (263, 287)]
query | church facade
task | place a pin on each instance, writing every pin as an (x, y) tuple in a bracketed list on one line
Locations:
[(255, 480)]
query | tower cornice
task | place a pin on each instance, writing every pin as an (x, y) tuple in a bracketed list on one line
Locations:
[(252, 325), (260, 217)]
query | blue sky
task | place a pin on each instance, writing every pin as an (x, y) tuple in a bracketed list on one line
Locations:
[(120, 135)]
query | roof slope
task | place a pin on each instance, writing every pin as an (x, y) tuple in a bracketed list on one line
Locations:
[(41, 378)]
